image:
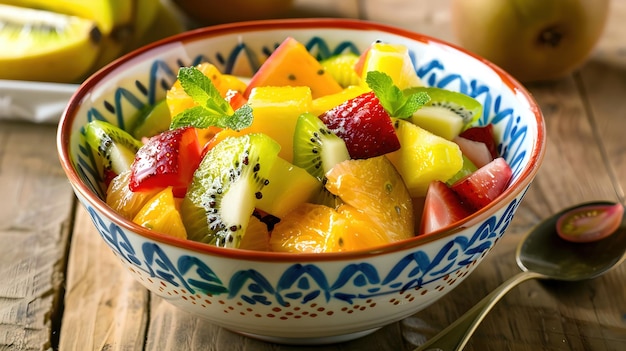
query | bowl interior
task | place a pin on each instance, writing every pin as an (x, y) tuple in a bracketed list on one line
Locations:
[(118, 92)]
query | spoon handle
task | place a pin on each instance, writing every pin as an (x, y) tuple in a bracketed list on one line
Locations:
[(457, 334)]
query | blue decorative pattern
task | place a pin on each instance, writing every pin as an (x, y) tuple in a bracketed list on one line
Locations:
[(305, 283), (300, 283)]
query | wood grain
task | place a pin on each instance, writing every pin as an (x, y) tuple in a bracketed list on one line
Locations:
[(105, 307), (34, 222)]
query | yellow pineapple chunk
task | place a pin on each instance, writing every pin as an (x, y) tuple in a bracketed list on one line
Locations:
[(424, 157), (276, 110), (325, 103), (394, 60)]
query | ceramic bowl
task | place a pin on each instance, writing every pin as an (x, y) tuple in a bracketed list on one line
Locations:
[(307, 298)]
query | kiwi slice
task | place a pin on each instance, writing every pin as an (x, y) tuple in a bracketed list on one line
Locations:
[(315, 147), (114, 147), (447, 113), (152, 120), (341, 67), (225, 188)]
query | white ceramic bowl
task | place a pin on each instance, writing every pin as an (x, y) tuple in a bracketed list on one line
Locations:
[(308, 298)]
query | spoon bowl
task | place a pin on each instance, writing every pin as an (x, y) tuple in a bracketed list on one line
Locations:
[(542, 251), (541, 254)]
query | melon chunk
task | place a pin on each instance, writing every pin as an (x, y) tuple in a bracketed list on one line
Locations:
[(291, 64)]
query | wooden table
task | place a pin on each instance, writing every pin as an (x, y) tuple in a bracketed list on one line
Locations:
[(63, 289)]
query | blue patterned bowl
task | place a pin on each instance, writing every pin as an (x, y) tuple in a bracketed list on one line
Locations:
[(308, 298)]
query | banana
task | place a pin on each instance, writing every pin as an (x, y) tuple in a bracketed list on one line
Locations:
[(110, 15), (123, 26), (45, 46)]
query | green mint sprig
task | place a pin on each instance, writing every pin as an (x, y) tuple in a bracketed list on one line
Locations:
[(396, 102), (212, 110)]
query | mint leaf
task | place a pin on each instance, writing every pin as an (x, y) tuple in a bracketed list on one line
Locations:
[(212, 109), (394, 101), (412, 103), (241, 119)]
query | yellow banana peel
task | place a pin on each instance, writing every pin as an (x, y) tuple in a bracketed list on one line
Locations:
[(123, 26), (46, 57)]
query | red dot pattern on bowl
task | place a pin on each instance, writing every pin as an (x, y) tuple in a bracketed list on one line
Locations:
[(312, 310)]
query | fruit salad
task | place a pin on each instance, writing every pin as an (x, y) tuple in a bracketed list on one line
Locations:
[(348, 153)]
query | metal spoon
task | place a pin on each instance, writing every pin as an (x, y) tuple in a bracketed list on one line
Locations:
[(542, 254)]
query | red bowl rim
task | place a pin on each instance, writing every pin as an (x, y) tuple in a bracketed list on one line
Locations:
[(65, 129)]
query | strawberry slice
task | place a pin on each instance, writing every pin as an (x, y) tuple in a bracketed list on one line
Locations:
[(167, 159), (481, 187), (442, 207), (482, 134), (364, 125)]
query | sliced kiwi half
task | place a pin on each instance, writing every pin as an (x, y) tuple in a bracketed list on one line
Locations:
[(315, 147), (225, 188), (447, 113), (114, 148)]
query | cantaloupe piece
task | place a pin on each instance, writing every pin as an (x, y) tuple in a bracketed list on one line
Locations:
[(291, 64)]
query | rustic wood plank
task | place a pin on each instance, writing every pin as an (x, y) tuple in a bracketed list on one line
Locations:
[(34, 227), (105, 307)]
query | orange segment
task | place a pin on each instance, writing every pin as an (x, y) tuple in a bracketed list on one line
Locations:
[(318, 228), (123, 200), (374, 187), (359, 233), (257, 237), (162, 214), (308, 228)]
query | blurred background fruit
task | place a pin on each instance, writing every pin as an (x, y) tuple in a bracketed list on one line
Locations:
[(206, 12), (67, 40), (38, 44), (531, 39)]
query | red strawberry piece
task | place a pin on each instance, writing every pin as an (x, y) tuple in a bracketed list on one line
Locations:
[(442, 207), (482, 134), (167, 159), (364, 125), (476, 151), (481, 187)]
